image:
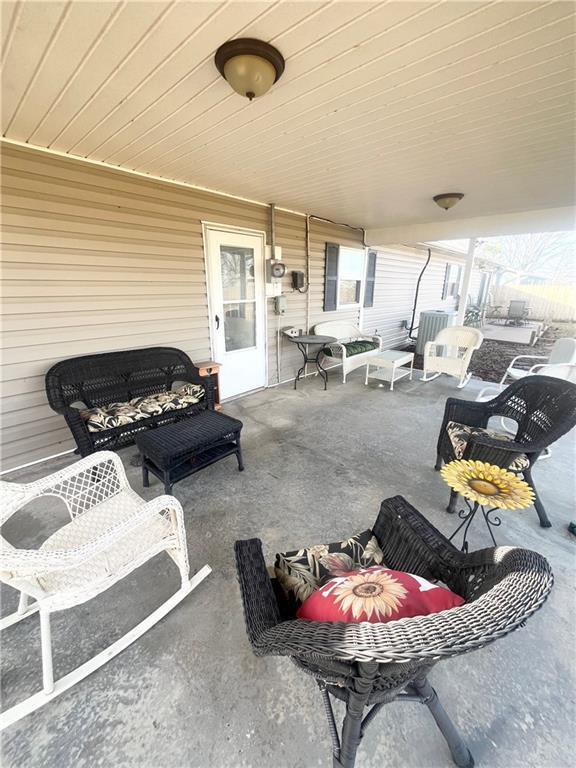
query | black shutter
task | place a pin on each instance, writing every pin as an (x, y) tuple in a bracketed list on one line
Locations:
[(331, 277), (370, 279), (445, 286)]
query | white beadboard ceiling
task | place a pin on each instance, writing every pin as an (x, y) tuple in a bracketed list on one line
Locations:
[(381, 106)]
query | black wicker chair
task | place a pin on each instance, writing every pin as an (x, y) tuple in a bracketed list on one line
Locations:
[(544, 409), (368, 665), (114, 377)]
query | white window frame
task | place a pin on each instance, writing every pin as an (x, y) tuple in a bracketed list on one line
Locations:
[(360, 302), (453, 286)]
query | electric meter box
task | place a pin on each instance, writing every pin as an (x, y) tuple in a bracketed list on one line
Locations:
[(273, 284)]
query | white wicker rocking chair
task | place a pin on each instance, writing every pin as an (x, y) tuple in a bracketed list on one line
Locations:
[(112, 531), (451, 352)]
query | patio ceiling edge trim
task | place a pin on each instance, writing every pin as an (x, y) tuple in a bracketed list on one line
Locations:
[(140, 174), (438, 252), (517, 223)]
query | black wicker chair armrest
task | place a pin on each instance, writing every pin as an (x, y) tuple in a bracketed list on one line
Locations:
[(521, 582), (193, 376), (79, 429), (496, 451), (261, 611), (465, 412), (208, 385), (496, 442)]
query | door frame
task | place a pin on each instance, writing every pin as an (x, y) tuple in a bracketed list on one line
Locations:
[(229, 228)]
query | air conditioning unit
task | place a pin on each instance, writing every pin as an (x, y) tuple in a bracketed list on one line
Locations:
[(430, 323)]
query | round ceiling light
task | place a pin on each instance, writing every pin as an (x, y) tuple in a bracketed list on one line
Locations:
[(250, 66), (448, 199)]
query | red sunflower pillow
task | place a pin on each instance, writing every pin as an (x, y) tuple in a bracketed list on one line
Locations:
[(376, 594)]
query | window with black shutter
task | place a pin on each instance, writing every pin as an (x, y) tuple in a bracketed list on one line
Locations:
[(370, 279), (331, 277), (344, 272)]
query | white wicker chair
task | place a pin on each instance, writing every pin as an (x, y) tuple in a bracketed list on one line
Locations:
[(451, 352), (111, 532), (562, 356)]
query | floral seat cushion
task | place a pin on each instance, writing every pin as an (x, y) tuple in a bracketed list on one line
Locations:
[(459, 435), (152, 405), (352, 348), (302, 571), (113, 415), (120, 414)]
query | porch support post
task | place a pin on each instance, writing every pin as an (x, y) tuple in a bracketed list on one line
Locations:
[(467, 279)]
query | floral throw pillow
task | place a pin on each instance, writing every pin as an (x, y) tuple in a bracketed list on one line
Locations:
[(192, 390), (302, 571), (376, 594)]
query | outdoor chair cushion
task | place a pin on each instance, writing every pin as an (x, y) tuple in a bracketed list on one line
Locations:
[(352, 348), (113, 415), (119, 414), (459, 435), (86, 527), (376, 594), (302, 571)]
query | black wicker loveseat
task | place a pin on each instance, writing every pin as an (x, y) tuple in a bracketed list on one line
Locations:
[(108, 398), (369, 665)]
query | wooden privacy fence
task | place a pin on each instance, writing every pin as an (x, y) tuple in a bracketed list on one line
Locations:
[(546, 302)]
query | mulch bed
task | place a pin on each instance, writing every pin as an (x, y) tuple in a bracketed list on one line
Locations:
[(493, 357)]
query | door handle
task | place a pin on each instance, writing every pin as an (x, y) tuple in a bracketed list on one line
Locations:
[(217, 319)]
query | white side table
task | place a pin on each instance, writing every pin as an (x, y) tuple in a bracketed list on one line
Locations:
[(390, 365)]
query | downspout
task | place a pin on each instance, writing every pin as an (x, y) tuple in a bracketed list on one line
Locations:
[(420, 276), (272, 227)]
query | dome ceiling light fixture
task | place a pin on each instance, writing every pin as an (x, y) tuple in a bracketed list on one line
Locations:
[(448, 200), (250, 66)]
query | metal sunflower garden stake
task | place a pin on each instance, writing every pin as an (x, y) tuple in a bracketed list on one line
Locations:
[(485, 487)]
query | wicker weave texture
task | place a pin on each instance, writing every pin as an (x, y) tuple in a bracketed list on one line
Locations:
[(113, 377), (451, 351), (502, 586), (165, 446), (111, 532), (543, 408)]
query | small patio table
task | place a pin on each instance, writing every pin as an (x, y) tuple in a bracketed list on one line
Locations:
[(390, 365), (175, 451), (303, 342)]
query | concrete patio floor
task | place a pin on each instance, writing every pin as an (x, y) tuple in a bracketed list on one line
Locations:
[(191, 694)]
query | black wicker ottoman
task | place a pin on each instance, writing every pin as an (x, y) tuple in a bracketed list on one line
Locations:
[(178, 450)]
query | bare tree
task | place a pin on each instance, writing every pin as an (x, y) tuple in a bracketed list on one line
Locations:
[(549, 254)]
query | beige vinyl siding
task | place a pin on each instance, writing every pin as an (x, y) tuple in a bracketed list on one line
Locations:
[(290, 232), (397, 270), (290, 235), (95, 260)]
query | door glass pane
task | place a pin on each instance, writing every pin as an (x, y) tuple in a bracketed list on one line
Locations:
[(237, 269), (239, 325)]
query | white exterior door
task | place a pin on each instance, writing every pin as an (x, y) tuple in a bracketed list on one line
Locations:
[(237, 303)]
